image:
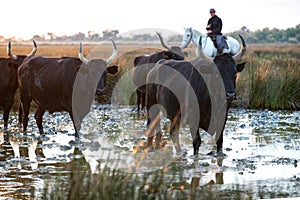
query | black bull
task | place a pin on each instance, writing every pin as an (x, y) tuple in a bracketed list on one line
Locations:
[(9, 80), (61, 84), (142, 65), (197, 93)]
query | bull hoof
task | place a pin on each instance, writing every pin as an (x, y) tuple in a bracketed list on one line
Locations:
[(212, 153), (77, 140), (221, 154), (217, 153), (42, 132)]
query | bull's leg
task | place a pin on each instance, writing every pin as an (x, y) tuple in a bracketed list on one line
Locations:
[(76, 127), (150, 135), (25, 103), (143, 97), (5, 118), (154, 114), (219, 139), (6, 112), (138, 100), (175, 124), (158, 139), (219, 142), (39, 119), (153, 128), (20, 115), (196, 139)]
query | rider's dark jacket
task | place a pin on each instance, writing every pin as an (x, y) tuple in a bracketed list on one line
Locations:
[(216, 25)]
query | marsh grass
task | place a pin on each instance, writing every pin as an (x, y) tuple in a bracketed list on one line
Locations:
[(114, 184), (166, 183), (273, 79)]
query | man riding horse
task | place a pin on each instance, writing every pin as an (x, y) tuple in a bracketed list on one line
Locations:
[(214, 27)]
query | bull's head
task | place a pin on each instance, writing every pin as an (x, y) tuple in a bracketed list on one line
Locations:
[(99, 67), (177, 50), (227, 68), (168, 55)]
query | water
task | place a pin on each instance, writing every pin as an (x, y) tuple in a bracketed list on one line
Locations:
[(262, 151)]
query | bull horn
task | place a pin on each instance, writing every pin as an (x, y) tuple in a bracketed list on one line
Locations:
[(32, 53), (10, 54), (80, 55), (242, 49), (201, 54), (162, 42), (114, 53)]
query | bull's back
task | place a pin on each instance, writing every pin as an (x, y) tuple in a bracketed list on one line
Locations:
[(142, 66), (49, 81), (173, 94)]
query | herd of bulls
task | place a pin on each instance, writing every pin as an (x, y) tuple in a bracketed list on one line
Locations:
[(196, 92)]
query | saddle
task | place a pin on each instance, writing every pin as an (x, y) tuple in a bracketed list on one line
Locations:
[(219, 42)]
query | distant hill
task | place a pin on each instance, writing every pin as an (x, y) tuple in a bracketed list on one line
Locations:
[(152, 31)]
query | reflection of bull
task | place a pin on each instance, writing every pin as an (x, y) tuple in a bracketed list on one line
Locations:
[(61, 84), (143, 64), (195, 92), (9, 80), (18, 147)]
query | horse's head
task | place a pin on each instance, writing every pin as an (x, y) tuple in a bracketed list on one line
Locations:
[(187, 37)]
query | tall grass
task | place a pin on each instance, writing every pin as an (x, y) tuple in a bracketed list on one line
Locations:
[(272, 78)]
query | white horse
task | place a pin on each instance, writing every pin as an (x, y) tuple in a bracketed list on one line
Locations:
[(208, 47)]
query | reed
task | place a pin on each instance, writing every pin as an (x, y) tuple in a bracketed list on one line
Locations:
[(273, 78)]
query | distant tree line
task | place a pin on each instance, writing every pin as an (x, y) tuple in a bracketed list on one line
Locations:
[(266, 35), (91, 36)]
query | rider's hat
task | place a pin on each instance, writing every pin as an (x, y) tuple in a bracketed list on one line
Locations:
[(212, 10)]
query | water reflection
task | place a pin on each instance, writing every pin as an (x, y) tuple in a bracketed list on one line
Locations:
[(262, 147)]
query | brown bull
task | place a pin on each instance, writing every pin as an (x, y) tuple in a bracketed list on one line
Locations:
[(62, 84)]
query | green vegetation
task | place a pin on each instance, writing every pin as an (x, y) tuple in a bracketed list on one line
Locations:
[(275, 35), (272, 77)]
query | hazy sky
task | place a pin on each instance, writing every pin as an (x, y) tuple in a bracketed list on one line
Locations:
[(25, 18)]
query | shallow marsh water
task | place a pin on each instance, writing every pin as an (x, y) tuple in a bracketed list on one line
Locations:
[(262, 152)]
